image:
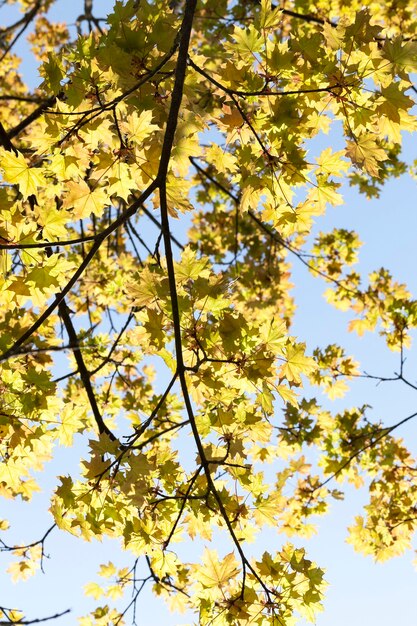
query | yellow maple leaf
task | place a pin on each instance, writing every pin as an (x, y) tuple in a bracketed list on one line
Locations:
[(288, 395), (330, 162), (84, 200), (337, 389), (139, 126), (71, 422), (360, 326), (13, 615), (17, 172), (297, 363), (325, 193), (231, 118), (120, 181), (53, 223), (94, 590), (267, 510), (366, 153), (216, 572), (334, 37), (190, 266), (107, 570), (224, 161), (11, 474)]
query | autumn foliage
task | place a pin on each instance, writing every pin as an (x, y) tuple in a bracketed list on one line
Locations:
[(156, 188)]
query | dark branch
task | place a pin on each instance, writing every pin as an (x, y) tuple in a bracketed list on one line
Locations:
[(38, 620), (82, 369), (262, 92), (32, 117), (45, 244)]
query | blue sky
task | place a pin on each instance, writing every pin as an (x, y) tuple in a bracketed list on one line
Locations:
[(360, 591)]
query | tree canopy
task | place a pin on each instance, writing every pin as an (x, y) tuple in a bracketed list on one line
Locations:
[(157, 190)]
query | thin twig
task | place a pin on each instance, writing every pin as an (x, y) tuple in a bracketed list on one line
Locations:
[(36, 621)]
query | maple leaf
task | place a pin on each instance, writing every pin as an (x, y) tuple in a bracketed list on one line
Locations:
[(326, 192), (53, 223), (335, 36), (269, 17), (402, 53), (17, 172), (191, 267), (11, 474), (216, 572), (366, 153), (331, 163), (107, 570), (85, 201), (53, 72), (247, 41), (94, 590), (273, 335), (296, 363), (27, 566), (139, 126), (72, 420)]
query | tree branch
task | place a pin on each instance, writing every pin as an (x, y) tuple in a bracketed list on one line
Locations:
[(46, 244), (263, 92), (24, 22), (32, 117), (36, 621), (82, 369), (161, 181)]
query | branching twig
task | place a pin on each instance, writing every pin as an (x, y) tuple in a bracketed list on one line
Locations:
[(265, 91), (24, 23), (113, 347)]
